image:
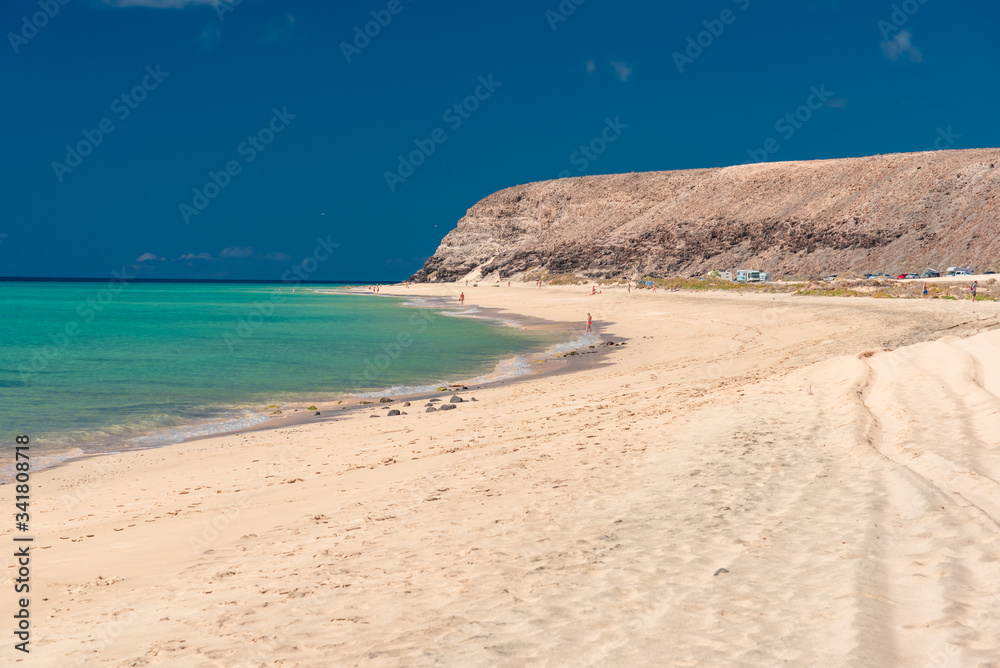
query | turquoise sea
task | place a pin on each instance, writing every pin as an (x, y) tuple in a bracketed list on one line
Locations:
[(97, 367)]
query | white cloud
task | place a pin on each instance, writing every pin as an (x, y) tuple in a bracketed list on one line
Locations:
[(196, 256), (237, 251), (591, 67), (622, 70), (158, 4), (145, 257), (277, 257), (900, 44), (211, 36)]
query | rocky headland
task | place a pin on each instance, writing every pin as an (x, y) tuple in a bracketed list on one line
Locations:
[(891, 213)]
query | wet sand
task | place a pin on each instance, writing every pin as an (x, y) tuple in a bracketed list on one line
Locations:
[(752, 480)]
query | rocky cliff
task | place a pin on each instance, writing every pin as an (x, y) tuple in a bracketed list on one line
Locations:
[(892, 213)]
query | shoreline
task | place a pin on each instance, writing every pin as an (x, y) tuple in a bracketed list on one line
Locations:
[(743, 464), (554, 367), (337, 405)]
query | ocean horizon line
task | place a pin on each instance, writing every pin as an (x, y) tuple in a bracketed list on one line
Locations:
[(215, 281)]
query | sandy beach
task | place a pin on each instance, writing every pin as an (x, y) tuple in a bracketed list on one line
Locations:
[(751, 480)]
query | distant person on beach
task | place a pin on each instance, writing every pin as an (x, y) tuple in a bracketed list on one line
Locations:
[(461, 299), (925, 290), (539, 283), (630, 287), (972, 289), (589, 321), (593, 290)]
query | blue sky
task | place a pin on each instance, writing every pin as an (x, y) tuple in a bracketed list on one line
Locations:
[(227, 139)]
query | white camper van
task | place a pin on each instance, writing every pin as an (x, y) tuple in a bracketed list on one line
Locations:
[(960, 271), (752, 276)]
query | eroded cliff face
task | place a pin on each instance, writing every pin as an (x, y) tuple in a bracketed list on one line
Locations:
[(892, 213)]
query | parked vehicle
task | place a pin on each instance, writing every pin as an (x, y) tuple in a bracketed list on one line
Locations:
[(831, 277), (752, 276), (960, 271), (930, 273), (901, 276), (913, 275)]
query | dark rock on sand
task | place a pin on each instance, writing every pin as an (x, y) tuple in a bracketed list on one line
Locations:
[(455, 399), (447, 407), (406, 404), (721, 570), (385, 400), (371, 416), (394, 412), (317, 412), (431, 410)]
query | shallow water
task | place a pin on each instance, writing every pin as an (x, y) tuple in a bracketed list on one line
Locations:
[(83, 368)]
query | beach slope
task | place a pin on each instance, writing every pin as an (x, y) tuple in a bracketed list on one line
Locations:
[(751, 480)]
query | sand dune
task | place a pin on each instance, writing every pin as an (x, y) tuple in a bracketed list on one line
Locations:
[(752, 480)]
